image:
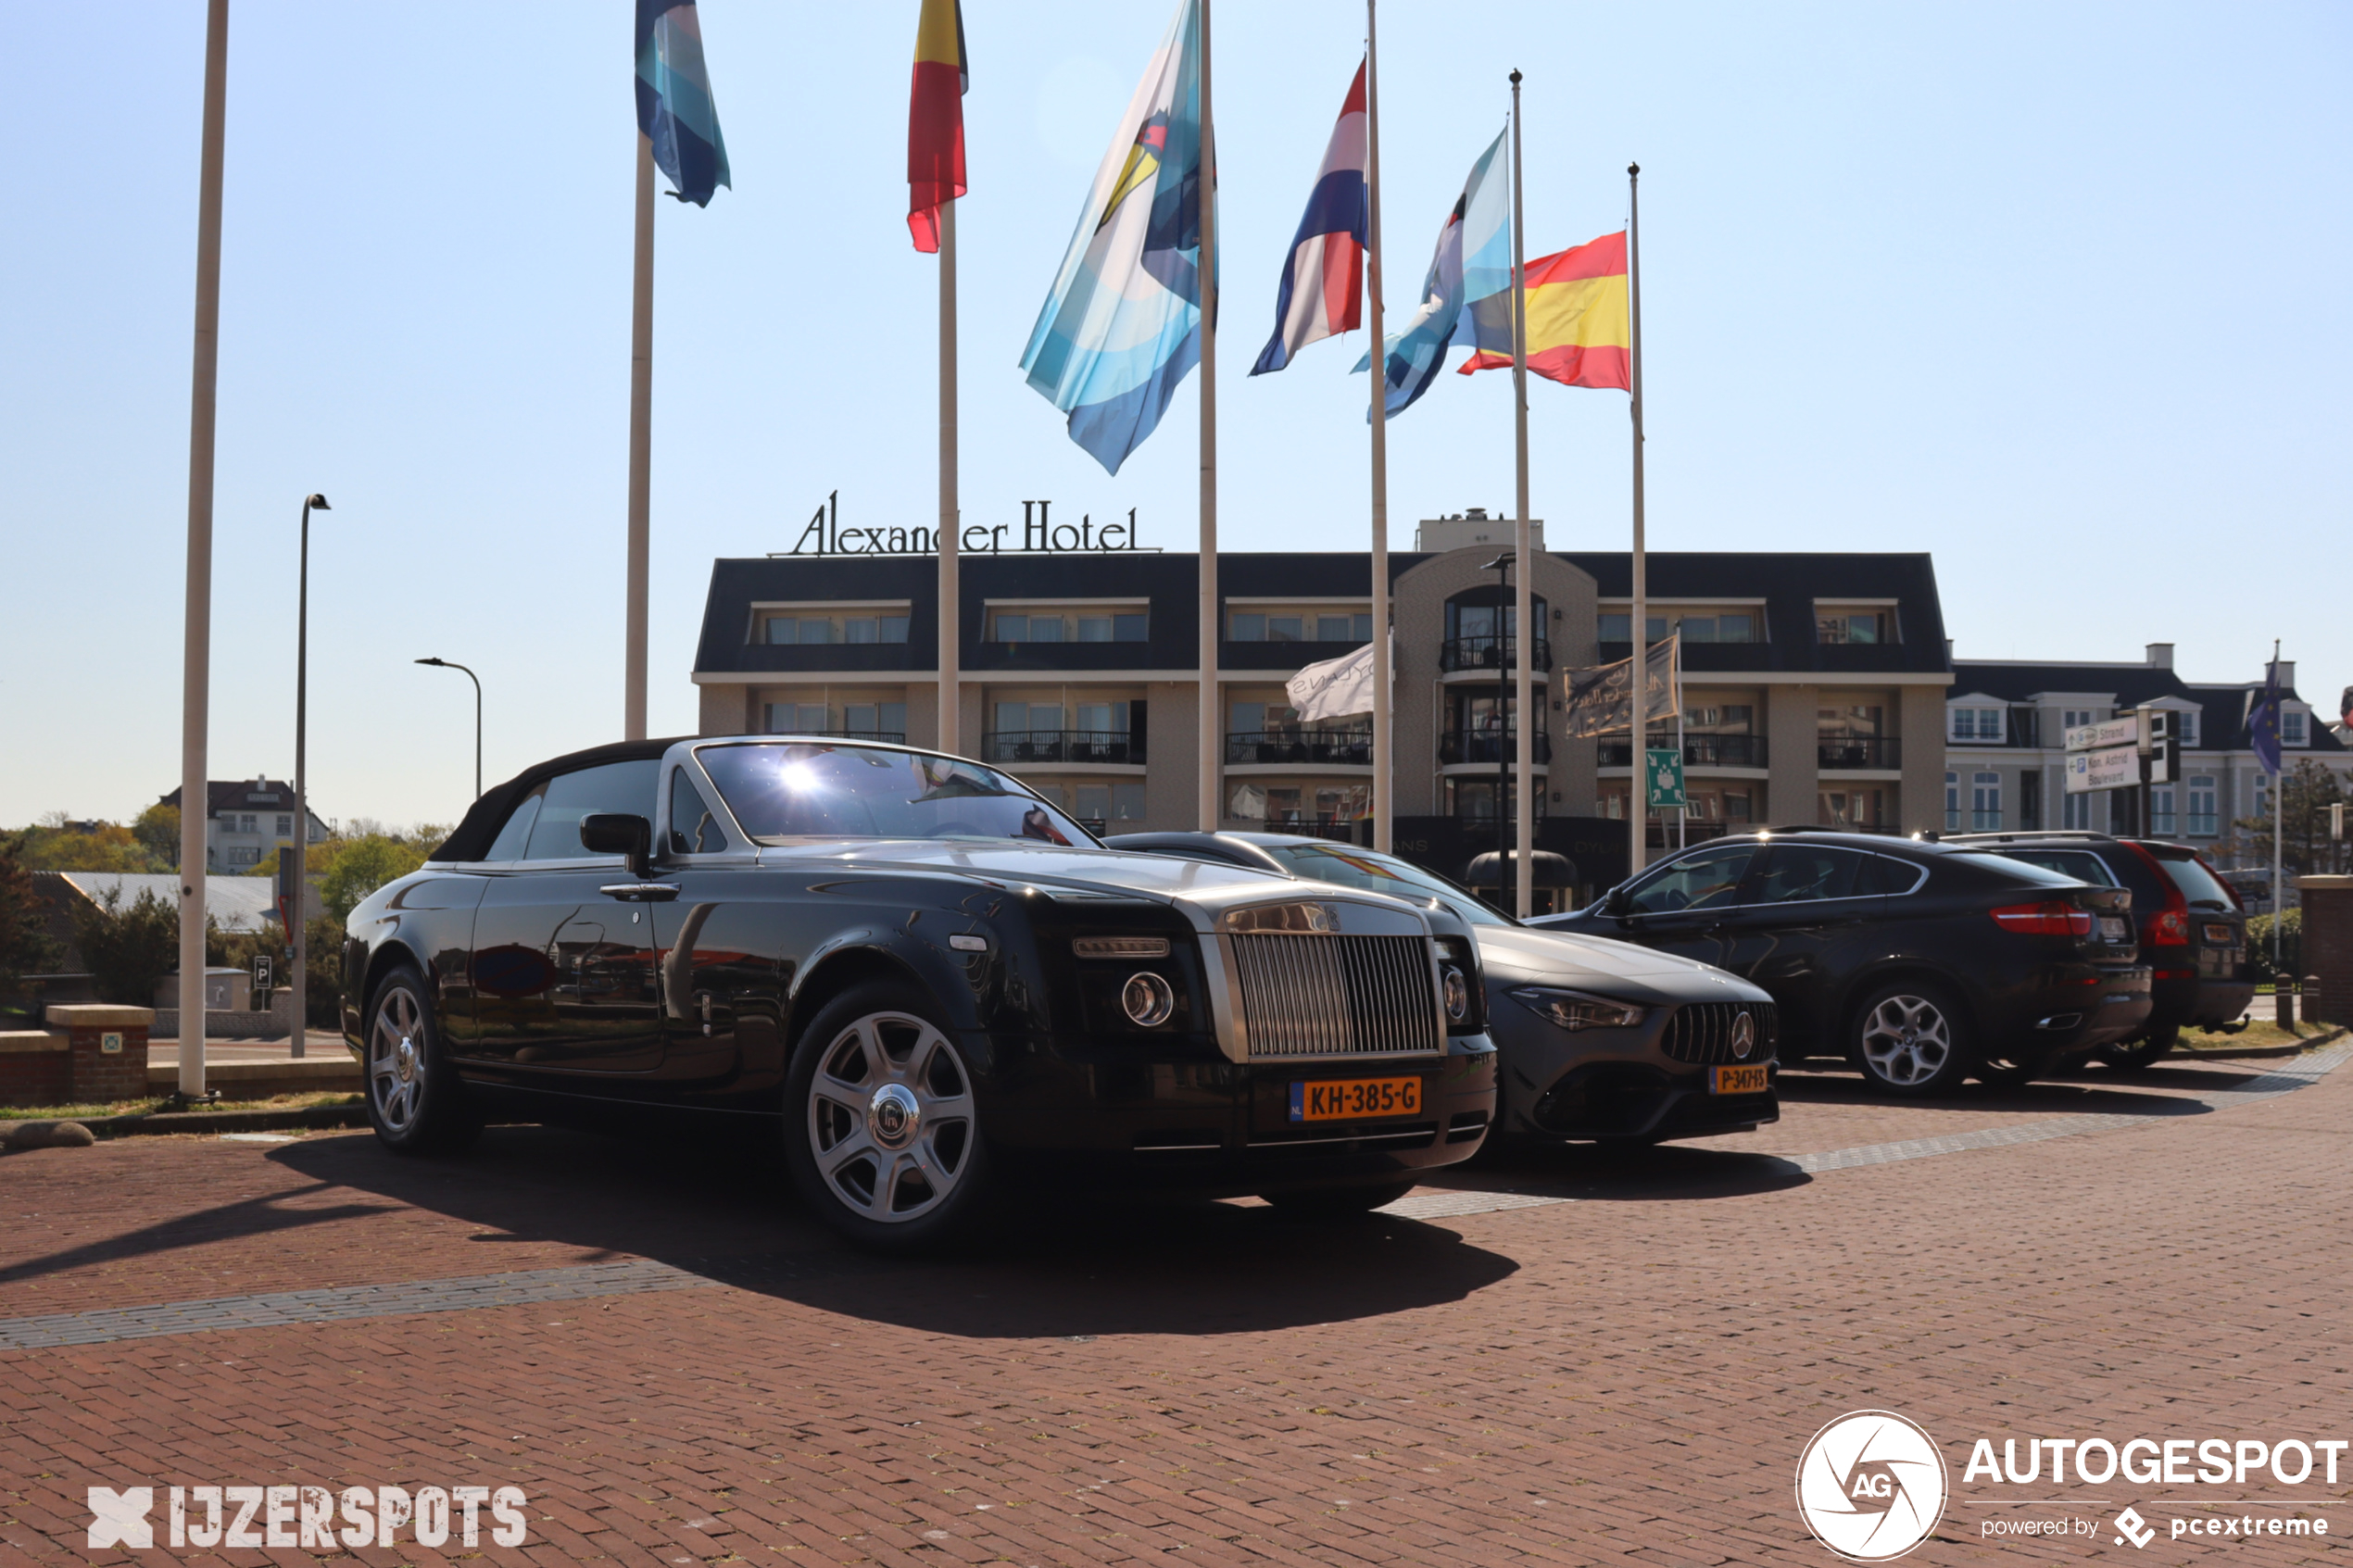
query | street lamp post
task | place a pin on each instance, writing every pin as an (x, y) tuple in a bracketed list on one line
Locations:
[(301, 1020), (445, 664)]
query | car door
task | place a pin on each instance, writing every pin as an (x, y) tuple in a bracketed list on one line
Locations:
[(564, 977), (1681, 907), (1808, 917), (719, 944)]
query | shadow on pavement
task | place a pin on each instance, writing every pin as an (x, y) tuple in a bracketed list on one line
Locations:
[(2162, 1090), (1596, 1173), (1059, 1268)]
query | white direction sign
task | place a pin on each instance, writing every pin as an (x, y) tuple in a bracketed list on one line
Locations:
[(2115, 731), (2114, 766)]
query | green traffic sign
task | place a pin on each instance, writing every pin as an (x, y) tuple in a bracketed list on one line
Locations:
[(1663, 774)]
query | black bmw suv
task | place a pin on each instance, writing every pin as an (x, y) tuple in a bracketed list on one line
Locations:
[(1919, 963), (2193, 927)]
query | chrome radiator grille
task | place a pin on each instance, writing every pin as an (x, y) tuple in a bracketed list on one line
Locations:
[(1336, 996), (1702, 1033)]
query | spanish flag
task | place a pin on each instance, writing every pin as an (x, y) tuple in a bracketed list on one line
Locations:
[(1577, 331), (936, 119)]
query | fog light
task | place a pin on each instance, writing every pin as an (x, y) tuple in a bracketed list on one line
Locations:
[(1148, 999), (1457, 993)]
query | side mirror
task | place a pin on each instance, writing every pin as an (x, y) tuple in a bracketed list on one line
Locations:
[(1616, 902), (618, 832)]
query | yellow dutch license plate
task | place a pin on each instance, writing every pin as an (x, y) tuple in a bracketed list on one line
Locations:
[(1741, 1080), (1354, 1099)]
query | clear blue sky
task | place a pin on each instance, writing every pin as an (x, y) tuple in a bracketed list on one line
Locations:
[(2057, 293)]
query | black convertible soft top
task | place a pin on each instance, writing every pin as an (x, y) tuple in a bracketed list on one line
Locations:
[(474, 835)]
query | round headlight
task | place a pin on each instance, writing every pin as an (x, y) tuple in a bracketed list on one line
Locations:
[(1457, 993), (1148, 999)]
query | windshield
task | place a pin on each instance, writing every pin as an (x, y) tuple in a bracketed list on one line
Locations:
[(805, 789), (2201, 887), (1380, 873)]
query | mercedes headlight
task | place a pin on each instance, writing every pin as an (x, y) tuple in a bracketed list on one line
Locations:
[(1574, 1010)]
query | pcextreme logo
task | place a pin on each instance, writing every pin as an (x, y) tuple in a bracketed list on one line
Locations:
[(1870, 1485)]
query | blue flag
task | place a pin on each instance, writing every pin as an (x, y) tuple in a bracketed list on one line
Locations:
[(1122, 324), (2263, 722), (674, 107)]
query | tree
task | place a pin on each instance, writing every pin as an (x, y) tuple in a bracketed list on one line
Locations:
[(360, 866), (54, 844), (25, 947), (159, 830), (2305, 795), (127, 948)]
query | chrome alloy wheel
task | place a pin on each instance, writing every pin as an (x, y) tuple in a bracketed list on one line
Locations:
[(396, 1059), (891, 1117), (1907, 1039)]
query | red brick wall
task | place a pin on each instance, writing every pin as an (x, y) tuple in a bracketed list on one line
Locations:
[(2328, 949), (100, 1075), (34, 1077)]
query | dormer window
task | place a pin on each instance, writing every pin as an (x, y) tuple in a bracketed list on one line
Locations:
[(2292, 728), (1977, 724)]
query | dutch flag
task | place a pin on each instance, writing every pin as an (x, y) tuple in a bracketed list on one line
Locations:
[(1323, 287)]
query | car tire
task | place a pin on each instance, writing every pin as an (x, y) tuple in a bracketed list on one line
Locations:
[(1327, 1203), (2137, 1055), (1910, 1037), (882, 1127), (415, 1102)]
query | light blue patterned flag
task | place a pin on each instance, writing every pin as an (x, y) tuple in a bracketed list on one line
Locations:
[(674, 107), (1468, 292), (1122, 324)]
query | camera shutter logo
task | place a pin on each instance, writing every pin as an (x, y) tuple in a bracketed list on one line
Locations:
[(1871, 1486)]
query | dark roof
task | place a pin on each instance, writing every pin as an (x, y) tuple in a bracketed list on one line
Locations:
[(1789, 583), (474, 835), (2223, 709), (238, 795)]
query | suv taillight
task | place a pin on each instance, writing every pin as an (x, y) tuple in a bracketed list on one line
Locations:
[(2052, 917), (2168, 928)]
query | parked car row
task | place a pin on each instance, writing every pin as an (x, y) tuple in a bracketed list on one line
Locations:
[(938, 985)]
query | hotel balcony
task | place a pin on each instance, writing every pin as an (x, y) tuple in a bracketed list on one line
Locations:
[(1462, 747), (1699, 751), (1886, 752), (1491, 653), (1018, 746), (1349, 748)]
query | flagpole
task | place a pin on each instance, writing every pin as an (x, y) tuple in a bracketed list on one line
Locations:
[(196, 669), (951, 515), (1384, 694), (1531, 722), (641, 403), (2279, 819), (1211, 738), (1638, 622)]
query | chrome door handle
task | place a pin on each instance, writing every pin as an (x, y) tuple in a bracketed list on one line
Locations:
[(641, 892)]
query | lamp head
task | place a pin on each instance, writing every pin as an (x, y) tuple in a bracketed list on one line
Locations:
[(435, 663), (1503, 562), (317, 503)]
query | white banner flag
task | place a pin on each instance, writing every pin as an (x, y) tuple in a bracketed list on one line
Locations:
[(1333, 689)]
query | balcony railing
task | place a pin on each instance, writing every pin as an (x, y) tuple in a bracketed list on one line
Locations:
[(1483, 746), (1346, 748), (1490, 652), (1858, 751), (1699, 751), (1062, 746)]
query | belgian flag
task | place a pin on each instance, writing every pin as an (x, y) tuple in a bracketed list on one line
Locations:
[(936, 119)]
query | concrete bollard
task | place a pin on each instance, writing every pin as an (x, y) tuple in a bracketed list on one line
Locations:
[(2283, 1001)]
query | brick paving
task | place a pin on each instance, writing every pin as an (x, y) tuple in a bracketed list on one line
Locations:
[(1628, 1378)]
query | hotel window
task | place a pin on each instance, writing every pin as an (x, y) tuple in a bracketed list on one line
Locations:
[(1300, 626), (1038, 719), (2291, 727), (1120, 806), (2203, 821), (2074, 718), (1976, 723), (1734, 806), (882, 721), (247, 823), (248, 856), (809, 630), (1727, 627), (1833, 625), (796, 718), (1616, 628), (1053, 626), (2030, 802), (2075, 812), (2185, 728), (2161, 809), (1853, 808), (1952, 803), (286, 827), (1985, 803)]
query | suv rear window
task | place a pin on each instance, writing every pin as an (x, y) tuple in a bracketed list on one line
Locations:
[(2200, 886), (2081, 865), (2022, 871)]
